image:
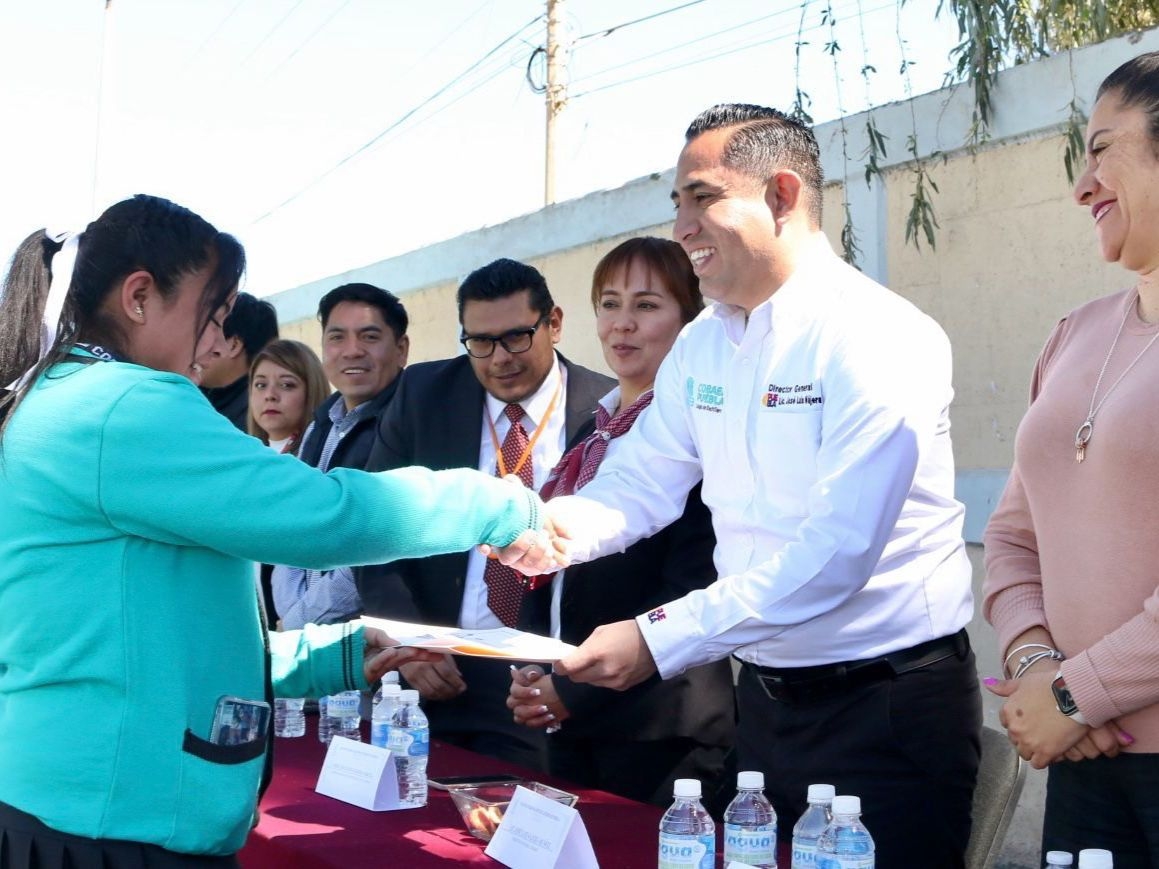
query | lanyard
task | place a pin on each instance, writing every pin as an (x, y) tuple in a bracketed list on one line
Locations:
[(530, 444)]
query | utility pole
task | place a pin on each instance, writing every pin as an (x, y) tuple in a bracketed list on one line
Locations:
[(104, 74), (556, 95)]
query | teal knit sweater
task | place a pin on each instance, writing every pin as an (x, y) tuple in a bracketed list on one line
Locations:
[(130, 513)]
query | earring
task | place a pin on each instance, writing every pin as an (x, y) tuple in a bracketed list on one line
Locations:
[(140, 311)]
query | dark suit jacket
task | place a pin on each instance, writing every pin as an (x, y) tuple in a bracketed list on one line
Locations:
[(698, 704), (353, 451), (434, 421)]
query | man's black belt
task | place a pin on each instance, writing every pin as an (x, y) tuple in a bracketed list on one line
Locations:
[(801, 684)]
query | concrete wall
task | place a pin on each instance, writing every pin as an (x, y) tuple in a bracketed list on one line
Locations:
[(1013, 255)]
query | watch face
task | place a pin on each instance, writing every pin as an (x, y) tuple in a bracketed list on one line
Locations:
[(1063, 698)]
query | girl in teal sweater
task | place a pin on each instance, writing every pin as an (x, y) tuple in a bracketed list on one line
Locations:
[(130, 515)]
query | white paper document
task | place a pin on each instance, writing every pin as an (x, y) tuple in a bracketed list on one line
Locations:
[(538, 833), (360, 774), (505, 643)]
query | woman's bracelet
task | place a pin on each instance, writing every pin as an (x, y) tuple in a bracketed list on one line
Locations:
[(1028, 661), (1042, 647)]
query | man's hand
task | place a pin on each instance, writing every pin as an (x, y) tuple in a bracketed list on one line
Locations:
[(533, 699), (534, 553), (614, 656), (437, 678), (381, 653)]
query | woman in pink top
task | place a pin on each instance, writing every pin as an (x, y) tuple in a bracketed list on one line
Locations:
[(1072, 556)]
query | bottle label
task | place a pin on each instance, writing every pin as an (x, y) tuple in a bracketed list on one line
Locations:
[(756, 846), (844, 861), (379, 734), (687, 852), (804, 855), (411, 743), (342, 705)]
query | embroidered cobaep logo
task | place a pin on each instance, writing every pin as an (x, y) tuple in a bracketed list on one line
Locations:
[(704, 396), (798, 395), (657, 615)]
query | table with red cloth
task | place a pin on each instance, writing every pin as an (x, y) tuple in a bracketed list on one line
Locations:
[(305, 830)]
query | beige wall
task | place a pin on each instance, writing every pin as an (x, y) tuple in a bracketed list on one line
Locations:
[(1014, 254)]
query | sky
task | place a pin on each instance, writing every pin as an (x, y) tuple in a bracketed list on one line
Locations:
[(329, 134)]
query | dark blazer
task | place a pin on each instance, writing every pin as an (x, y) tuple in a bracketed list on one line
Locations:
[(353, 451), (434, 421), (697, 704), (232, 401)]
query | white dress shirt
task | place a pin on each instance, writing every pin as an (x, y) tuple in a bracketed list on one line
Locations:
[(474, 612), (822, 430)]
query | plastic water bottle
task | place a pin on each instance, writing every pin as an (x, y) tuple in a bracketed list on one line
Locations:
[(323, 721), (341, 717), (289, 716), (1059, 858), (1095, 858), (409, 741), (811, 825), (750, 824), (845, 844), (386, 700), (687, 832)]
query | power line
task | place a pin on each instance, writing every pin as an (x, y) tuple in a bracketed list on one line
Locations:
[(401, 120), (608, 31), (685, 64), (271, 32), (310, 38), (695, 41), (213, 34)]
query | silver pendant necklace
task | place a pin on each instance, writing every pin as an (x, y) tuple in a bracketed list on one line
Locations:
[(1085, 431)]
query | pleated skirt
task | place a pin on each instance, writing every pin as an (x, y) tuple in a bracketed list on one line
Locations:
[(26, 843)]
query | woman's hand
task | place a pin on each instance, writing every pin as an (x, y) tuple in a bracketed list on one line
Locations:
[(381, 653), (533, 699), (1037, 729)]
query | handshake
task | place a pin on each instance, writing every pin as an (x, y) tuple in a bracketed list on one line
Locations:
[(534, 552)]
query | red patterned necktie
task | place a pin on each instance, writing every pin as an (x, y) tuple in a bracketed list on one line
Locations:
[(505, 585)]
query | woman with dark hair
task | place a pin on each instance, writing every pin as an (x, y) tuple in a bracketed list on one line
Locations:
[(111, 467), (1071, 550), (633, 743), (287, 385)]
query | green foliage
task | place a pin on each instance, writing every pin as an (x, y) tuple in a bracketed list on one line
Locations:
[(998, 33), (921, 213), (849, 247), (874, 151), (1075, 146)]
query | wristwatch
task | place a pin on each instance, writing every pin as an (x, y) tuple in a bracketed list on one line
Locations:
[(1064, 701)]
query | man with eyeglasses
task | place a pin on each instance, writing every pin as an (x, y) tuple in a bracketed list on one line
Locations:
[(510, 405)]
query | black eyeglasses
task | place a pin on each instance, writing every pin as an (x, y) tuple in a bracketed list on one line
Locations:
[(515, 341)]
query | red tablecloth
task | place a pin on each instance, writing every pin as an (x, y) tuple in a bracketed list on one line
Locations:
[(304, 830)]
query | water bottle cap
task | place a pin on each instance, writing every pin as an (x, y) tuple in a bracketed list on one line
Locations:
[(409, 695), (750, 780), (391, 689), (846, 805), (686, 787), (821, 793), (1095, 858), (390, 677), (1059, 858)]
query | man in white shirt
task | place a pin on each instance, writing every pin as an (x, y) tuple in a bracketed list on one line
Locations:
[(463, 412), (814, 404)]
